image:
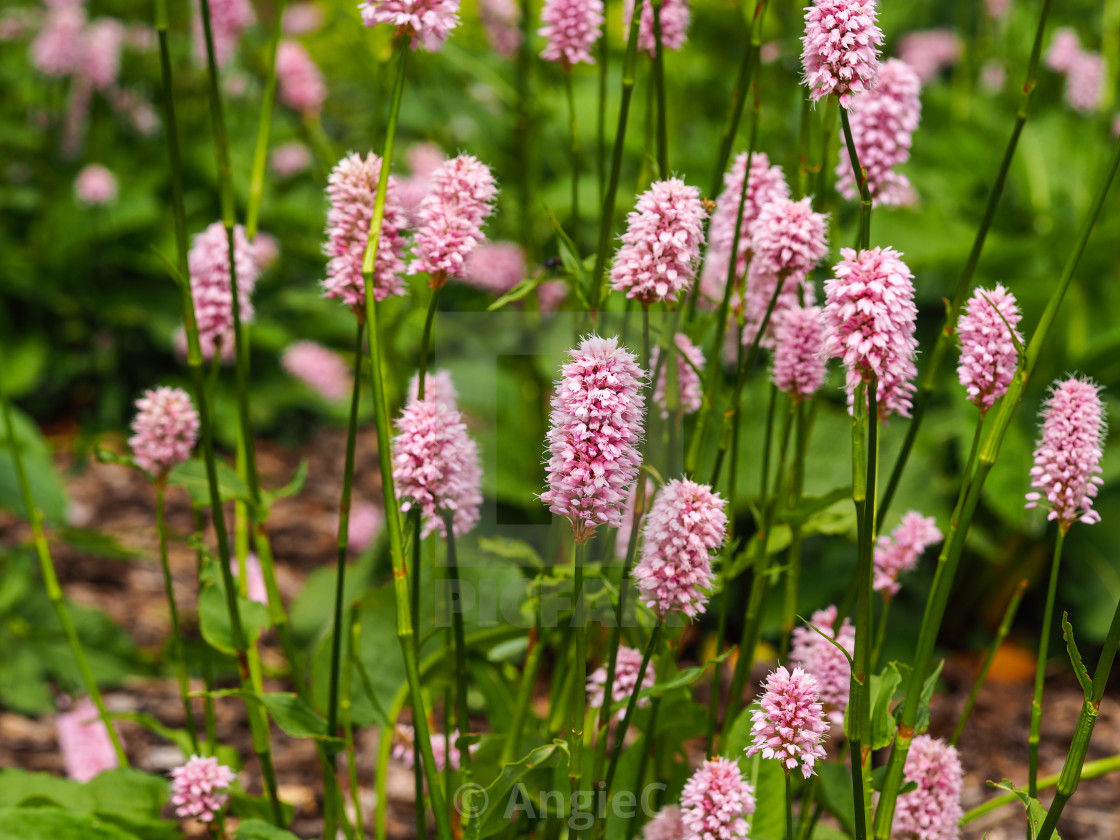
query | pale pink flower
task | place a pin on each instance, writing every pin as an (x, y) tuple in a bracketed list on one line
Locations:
[(789, 724), (993, 76), (1065, 47), (770, 52), (13, 25), (933, 810), (228, 21), (840, 48), (788, 237), (206, 345), (403, 749), (140, 37), (210, 280), (254, 578), (95, 186), (495, 267), (352, 190), (321, 369), (426, 22), (665, 825), (302, 18), (501, 21), (290, 159), (365, 521), (423, 160), (882, 122), (57, 49), (300, 81), (1085, 82), (675, 16), (266, 250), (199, 788), (685, 524), (715, 801), (571, 28), (625, 680), (551, 295), (84, 741), (901, 551), (799, 358), (928, 52), (820, 658), (101, 52), (164, 430), (595, 425), (436, 467), (1066, 471), (438, 387), (661, 247), (988, 332), (689, 395), (761, 287), (460, 197), (869, 320), (997, 8)]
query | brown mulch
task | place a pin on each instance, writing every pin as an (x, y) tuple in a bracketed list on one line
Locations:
[(119, 502)]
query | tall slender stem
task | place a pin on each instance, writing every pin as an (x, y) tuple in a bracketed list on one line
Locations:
[(577, 711), (207, 665), (573, 148), (463, 717), (264, 127), (631, 705), (346, 704), (659, 87), (789, 807), (861, 178), (1040, 667), (747, 68), (1092, 770), (523, 125)]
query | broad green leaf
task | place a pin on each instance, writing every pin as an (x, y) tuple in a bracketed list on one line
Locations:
[(515, 552), (836, 793), (738, 737), (254, 829), (1075, 657), (54, 824), (769, 820), (88, 541), (1035, 812), (242, 804), (487, 806), (299, 478), (921, 724), (179, 737), (192, 475), (214, 621), (521, 290)]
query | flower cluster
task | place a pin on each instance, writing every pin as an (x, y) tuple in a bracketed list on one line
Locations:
[(799, 359), (820, 658), (570, 28), (789, 724), (164, 430), (928, 52), (716, 800), (438, 387), (988, 334), (690, 359), (210, 281), (198, 788), (686, 522), (423, 160), (460, 196), (675, 15), (426, 22), (596, 423), (301, 85), (318, 367), (933, 810), (84, 742), (661, 247), (228, 20), (1066, 471), (840, 48), (900, 551), (625, 680), (501, 21), (1085, 71)]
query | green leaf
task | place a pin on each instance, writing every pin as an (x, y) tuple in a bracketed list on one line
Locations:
[(213, 619), (836, 794), (179, 737), (1075, 657), (521, 290), (883, 687), (738, 737), (921, 724), (291, 713), (298, 480), (769, 820), (487, 806), (1035, 812), (249, 807), (54, 824), (192, 475), (88, 541), (254, 829), (515, 552)]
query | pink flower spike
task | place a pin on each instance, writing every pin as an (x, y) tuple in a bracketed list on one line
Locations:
[(501, 21), (928, 53), (665, 825), (799, 359), (495, 267), (427, 23), (689, 396), (1085, 82), (352, 190), (302, 18), (933, 810), (900, 551), (988, 354), (1066, 471), (840, 48), (366, 520), (460, 197), (95, 186), (165, 430), (869, 321), (254, 578), (789, 725), (57, 49), (301, 85), (625, 680), (290, 159), (1065, 47), (101, 52), (675, 15), (661, 247), (436, 467), (228, 21), (84, 742), (788, 237), (438, 387), (320, 369), (685, 524), (210, 281), (571, 28), (199, 788), (715, 801), (797, 290), (820, 658), (595, 426)]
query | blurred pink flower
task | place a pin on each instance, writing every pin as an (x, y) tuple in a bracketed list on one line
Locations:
[(665, 825), (301, 85), (1064, 49), (571, 28), (840, 48), (320, 368), (254, 578), (101, 52), (820, 658), (57, 49), (427, 23), (901, 551), (165, 430), (689, 394), (460, 197), (438, 387), (715, 801), (84, 742), (290, 159), (799, 359), (302, 18), (625, 680), (993, 76), (406, 736), (206, 345), (423, 160), (1085, 82), (997, 8), (95, 186), (789, 725), (365, 522), (501, 21), (210, 280), (929, 52), (675, 16), (228, 21), (495, 267), (198, 788)]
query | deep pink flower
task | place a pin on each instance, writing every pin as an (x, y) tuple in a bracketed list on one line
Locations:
[(883, 121), (366, 520), (319, 368), (715, 801), (766, 184), (164, 430), (302, 18), (827, 665), (869, 320), (799, 358), (101, 52), (685, 524), (228, 20), (988, 354), (301, 85), (438, 387), (426, 22), (689, 396), (198, 788), (84, 742), (210, 281), (625, 680), (928, 53), (571, 28), (900, 551), (290, 159), (501, 21), (495, 267), (436, 467), (840, 48), (1085, 82), (665, 825), (789, 725), (1066, 471), (933, 810), (352, 190), (661, 247), (595, 426), (95, 186), (460, 198), (675, 16), (57, 49), (1065, 47), (254, 578)]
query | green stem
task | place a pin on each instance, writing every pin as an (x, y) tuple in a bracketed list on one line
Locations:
[(207, 664), (577, 711), (793, 576), (789, 807), (601, 114), (173, 609), (647, 747), (533, 660), (573, 147), (346, 704), (861, 178), (1092, 770), (803, 142), (462, 711), (738, 96), (659, 87), (631, 705), (880, 631), (264, 127), (1040, 666)]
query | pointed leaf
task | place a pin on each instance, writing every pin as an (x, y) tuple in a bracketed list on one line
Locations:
[(1075, 658)]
